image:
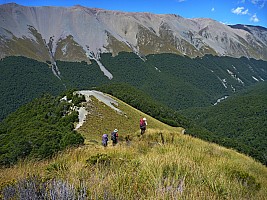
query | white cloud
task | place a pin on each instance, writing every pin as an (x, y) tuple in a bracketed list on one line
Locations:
[(240, 11), (254, 18), (213, 9), (245, 12), (261, 3)]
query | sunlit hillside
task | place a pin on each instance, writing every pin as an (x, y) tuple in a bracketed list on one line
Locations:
[(162, 164), (103, 119)]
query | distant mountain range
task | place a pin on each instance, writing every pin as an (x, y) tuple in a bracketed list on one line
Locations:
[(80, 34)]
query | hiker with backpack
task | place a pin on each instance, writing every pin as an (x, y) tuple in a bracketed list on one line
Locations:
[(105, 140), (114, 137), (143, 124)]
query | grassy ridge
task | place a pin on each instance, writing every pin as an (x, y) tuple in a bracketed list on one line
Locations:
[(103, 119), (183, 167)]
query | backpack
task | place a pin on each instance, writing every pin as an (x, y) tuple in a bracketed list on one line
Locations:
[(105, 137), (142, 123), (105, 140), (114, 136)]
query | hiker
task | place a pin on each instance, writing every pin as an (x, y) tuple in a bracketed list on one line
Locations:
[(105, 140), (114, 137), (143, 124)]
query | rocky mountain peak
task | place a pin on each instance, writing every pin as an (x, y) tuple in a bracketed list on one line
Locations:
[(58, 32)]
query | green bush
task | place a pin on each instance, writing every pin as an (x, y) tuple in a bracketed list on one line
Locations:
[(39, 129)]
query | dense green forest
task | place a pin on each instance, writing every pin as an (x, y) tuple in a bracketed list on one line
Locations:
[(182, 82), (176, 81), (240, 121), (81, 75), (22, 80), (39, 129)]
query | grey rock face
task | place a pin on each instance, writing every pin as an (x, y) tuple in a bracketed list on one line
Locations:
[(76, 33)]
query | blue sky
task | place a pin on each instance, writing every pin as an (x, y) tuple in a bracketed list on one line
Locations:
[(253, 12)]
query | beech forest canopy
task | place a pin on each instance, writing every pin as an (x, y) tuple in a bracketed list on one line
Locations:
[(176, 81), (39, 129)]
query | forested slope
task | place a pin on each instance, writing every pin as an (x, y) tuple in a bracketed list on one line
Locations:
[(240, 121), (39, 129), (176, 81), (23, 79), (181, 82)]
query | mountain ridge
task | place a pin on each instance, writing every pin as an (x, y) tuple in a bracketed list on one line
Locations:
[(80, 33)]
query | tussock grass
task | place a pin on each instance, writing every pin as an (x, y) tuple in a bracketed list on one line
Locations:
[(161, 164), (103, 119), (182, 168)]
